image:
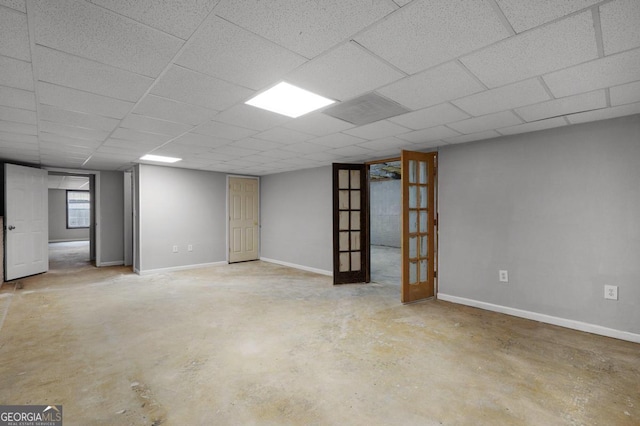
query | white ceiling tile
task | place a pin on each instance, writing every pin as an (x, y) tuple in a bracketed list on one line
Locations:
[(74, 132), (344, 73), (279, 153), (443, 83), (601, 73), (119, 145), (562, 106), (534, 126), (377, 130), (283, 135), (177, 17), (76, 100), (90, 31), (78, 119), (18, 137), (427, 146), (153, 125), (305, 148), (625, 94), (16, 73), (257, 144), (431, 134), (224, 130), (525, 14), (620, 20), (233, 54), (307, 27), (251, 117), (234, 151), (385, 144), (136, 136), (552, 47), (321, 156), (21, 128), (605, 113), (194, 139), (60, 140), (430, 117), (473, 137), (17, 115), (352, 150), (78, 73), (17, 98), (507, 97), (318, 124), (486, 122), (430, 32), (337, 140), (14, 35), (15, 4), (168, 109), (196, 88)]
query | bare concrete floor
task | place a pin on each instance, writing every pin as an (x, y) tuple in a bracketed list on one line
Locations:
[(385, 265), (260, 344)]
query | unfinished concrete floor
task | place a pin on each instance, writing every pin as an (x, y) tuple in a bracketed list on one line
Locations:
[(260, 344)]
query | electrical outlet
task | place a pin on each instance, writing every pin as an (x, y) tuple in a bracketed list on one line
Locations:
[(175, 249), (611, 292), (190, 247), (503, 276)]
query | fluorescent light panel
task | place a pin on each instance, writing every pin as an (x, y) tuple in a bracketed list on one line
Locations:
[(289, 100), (160, 158)]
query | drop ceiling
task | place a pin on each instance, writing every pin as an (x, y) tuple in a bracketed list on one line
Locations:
[(97, 84)]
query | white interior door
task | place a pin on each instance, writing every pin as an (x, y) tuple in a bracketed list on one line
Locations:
[(26, 221), (243, 219)]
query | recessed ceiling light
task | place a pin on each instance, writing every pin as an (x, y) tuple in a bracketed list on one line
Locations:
[(160, 158), (289, 100)]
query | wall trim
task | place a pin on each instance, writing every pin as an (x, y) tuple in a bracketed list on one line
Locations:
[(549, 319), (296, 266), (179, 268), (68, 240), (112, 263)]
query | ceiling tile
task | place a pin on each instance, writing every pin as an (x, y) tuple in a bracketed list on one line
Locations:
[(15, 73), (17, 98), (15, 4), (224, 130), (120, 145), (67, 141), (279, 154), (525, 14), (153, 125), (305, 148), (473, 137), (234, 151), (21, 128), (257, 144), (168, 109), (426, 135), (17, 115), (534, 126), (620, 20), (562, 106), (76, 100), (78, 119), (177, 17), (18, 137), (228, 52), (352, 150), (307, 27), (430, 117), (74, 132), (90, 31), (606, 113), (283, 135), (379, 129), (337, 140), (625, 94), (251, 117), (507, 97), (601, 73), (14, 35), (90, 76), (318, 124), (432, 87), (196, 88), (430, 32), (486, 122), (383, 144), (344, 73), (552, 47), (321, 156), (136, 136), (193, 139)]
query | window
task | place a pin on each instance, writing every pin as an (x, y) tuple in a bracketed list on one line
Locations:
[(78, 209)]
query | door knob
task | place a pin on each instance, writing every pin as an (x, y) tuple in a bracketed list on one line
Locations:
[(11, 227)]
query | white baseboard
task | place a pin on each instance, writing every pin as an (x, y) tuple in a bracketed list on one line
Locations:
[(112, 263), (562, 322), (296, 266), (69, 240), (179, 268)]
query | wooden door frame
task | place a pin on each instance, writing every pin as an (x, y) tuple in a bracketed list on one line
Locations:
[(227, 238)]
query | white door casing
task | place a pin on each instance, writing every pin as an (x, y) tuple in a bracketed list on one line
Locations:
[(243, 219), (26, 221)]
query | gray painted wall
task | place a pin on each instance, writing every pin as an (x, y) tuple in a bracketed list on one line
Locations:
[(385, 211), (111, 217), (559, 209), (181, 207), (296, 217), (58, 219)]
